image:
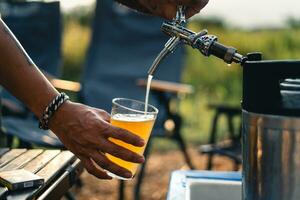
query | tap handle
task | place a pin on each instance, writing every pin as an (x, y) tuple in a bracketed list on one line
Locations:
[(209, 45)]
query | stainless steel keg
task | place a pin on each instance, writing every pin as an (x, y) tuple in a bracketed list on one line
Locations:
[(271, 131)]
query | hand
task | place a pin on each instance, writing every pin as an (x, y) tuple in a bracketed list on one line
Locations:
[(85, 131), (168, 8)]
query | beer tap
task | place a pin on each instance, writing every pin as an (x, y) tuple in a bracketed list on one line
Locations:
[(172, 43), (206, 44)]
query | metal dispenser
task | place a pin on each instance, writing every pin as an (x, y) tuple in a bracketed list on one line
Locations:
[(271, 113), (271, 130), (206, 44)]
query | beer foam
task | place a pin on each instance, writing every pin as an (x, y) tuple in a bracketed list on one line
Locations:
[(133, 117)]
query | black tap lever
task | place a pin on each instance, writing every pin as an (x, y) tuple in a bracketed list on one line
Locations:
[(206, 44)]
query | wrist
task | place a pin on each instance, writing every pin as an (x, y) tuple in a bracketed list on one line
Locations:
[(38, 105), (51, 109), (60, 114)]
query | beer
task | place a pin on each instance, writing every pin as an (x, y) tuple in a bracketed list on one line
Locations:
[(139, 124), (150, 77), (131, 115)]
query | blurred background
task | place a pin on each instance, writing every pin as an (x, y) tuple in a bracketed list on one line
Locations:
[(270, 26)]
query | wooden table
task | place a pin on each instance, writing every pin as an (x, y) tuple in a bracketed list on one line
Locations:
[(60, 169), (166, 86)]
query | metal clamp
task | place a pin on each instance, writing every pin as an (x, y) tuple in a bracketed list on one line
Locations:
[(180, 15)]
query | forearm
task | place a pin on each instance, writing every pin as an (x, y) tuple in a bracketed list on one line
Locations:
[(20, 76)]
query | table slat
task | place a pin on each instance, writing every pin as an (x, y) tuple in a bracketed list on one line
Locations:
[(3, 151), (6, 157), (9, 156), (56, 165), (50, 169), (40, 161), (62, 182), (59, 187), (28, 194), (3, 192), (22, 160), (166, 86)]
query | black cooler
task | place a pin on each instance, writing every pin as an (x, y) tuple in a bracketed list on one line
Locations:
[(271, 130)]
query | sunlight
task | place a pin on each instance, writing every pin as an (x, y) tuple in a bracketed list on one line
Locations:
[(68, 4)]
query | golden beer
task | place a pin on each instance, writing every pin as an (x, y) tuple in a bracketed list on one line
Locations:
[(139, 124)]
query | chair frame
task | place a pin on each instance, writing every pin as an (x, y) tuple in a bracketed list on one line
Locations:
[(233, 150), (161, 89)]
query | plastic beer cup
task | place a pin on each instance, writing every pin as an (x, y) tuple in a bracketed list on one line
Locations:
[(131, 115)]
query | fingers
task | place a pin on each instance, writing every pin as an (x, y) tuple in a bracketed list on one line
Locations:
[(103, 114), (105, 163), (169, 12), (192, 7), (192, 10), (109, 130), (92, 169), (92, 158), (122, 152), (187, 2), (126, 136), (167, 8)]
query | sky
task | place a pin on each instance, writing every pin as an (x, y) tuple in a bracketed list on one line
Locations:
[(241, 13), (253, 13)]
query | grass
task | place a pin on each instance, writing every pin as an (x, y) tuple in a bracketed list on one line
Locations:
[(214, 81), (75, 43)]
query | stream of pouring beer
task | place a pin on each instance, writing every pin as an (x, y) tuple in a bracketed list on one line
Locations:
[(147, 92)]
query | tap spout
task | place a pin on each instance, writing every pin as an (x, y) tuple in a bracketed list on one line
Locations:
[(169, 48)]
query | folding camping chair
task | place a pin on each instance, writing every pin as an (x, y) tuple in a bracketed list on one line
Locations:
[(124, 44), (232, 146), (37, 25)]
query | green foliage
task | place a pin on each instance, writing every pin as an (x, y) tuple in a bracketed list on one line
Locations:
[(214, 81), (211, 22), (213, 77), (293, 23), (76, 37), (82, 15), (75, 43)]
